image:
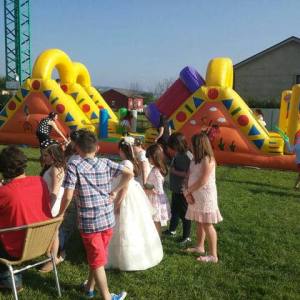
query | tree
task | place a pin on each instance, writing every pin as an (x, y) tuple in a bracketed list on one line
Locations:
[(162, 86), (2, 83)]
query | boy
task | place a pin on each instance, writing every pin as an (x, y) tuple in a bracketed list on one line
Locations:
[(92, 177)]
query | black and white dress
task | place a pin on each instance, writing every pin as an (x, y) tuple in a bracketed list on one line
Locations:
[(43, 133)]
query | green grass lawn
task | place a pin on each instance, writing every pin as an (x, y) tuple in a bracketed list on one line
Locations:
[(259, 249)]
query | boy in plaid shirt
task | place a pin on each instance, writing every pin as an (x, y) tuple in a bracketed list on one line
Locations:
[(91, 177)]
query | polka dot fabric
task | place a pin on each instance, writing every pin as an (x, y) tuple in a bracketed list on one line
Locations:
[(43, 134)]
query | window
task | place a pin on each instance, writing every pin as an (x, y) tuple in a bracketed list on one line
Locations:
[(113, 103), (297, 79)]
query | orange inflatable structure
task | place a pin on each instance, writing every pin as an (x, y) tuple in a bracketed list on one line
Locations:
[(237, 136)]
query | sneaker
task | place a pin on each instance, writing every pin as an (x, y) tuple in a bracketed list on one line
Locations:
[(169, 233), (120, 296), (88, 294), (184, 241)]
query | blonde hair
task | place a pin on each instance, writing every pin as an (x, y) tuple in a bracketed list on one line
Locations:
[(202, 147)]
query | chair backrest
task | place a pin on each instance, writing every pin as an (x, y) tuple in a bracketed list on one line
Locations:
[(39, 237)]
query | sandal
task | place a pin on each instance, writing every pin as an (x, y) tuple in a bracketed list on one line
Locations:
[(48, 267), (194, 250), (208, 259)]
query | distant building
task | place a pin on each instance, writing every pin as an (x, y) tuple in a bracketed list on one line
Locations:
[(263, 76), (118, 98)]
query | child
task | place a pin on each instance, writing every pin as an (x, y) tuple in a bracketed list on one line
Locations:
[(53, 158), (154, 186), (144, 165), (296, 149), (92, 177), (135, 244), (126, 123), (201, 195), (260, 117), (53, 173), (178, 173)]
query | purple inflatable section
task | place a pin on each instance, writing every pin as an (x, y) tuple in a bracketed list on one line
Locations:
[(191, 78), (153, 114)]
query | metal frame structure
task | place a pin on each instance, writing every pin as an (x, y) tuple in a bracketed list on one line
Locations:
[(17, 40)]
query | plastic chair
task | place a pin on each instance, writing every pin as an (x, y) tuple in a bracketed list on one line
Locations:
[(38, 240)]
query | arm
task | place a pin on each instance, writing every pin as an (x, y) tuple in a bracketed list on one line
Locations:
[(127, 174), (144, 168), (57, 179), (67, 198), (69, 184), (160, 133), (178, 173), (53, 124), (119, 198), (202, 180)]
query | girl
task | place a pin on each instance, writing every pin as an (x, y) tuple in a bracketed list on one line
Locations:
[(144, 165), (178, 173), (53, 174), (154, 186), (201, 195), (44, 130), (135, 244), (126, 123), (164, 132)]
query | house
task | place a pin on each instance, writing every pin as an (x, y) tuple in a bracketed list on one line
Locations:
[(118, 98), (263, 76)]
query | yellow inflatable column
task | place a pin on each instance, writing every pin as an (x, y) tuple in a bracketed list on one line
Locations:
[(293, 119), (284, 109)]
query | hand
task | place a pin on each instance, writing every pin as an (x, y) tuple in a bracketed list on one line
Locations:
[(112, 196), (190, 199)]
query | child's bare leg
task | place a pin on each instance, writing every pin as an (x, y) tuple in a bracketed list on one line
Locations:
[(90, 285), (158, 227), (200, 237), (212, 238), (101, 282)]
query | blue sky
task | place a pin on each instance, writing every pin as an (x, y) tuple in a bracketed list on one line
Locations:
[(145, 41)]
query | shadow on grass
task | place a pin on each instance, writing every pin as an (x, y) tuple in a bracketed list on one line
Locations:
[(262, 184), (275, 193)]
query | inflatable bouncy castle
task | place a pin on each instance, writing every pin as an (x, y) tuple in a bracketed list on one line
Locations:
[(77, 102), (193, 104)]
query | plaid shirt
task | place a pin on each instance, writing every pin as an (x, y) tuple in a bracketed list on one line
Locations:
[(92, 178)]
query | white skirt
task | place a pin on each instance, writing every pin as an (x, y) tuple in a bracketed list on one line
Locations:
[(135, 244)]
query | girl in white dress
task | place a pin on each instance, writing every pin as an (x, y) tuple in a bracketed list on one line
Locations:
[(135, 244), (54, 173), (201, 196)]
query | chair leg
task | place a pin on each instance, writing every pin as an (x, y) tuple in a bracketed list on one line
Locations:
[(56, 275), (11, 271)]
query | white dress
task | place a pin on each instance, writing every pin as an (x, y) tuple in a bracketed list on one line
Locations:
[(135, 244), (141, 157), (55, 207), (205, 209)]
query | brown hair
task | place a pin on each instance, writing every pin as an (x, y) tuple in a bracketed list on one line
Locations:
[(86, 141), (13, 162), (58, 157), (129, 154), (201, 147), (178, 142), (156, 153)]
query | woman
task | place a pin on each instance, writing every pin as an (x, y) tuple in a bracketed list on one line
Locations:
[(23, 200), (164, 132), (44, 130)]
